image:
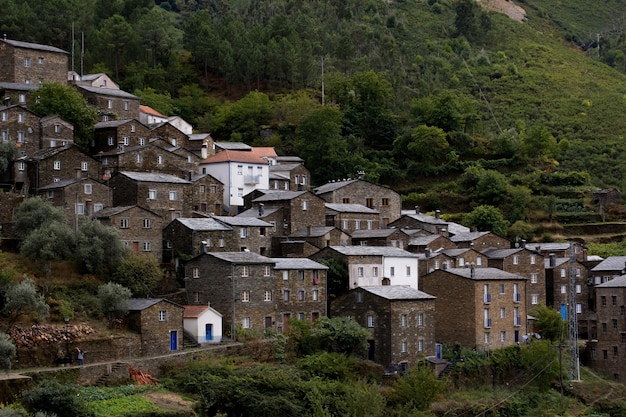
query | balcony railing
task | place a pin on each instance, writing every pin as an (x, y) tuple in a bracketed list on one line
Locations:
[(252, 179)]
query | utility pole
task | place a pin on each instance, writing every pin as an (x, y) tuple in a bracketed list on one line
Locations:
[(572, 318)]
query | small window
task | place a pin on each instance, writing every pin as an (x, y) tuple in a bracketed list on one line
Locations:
[(147, 246), (359, 271), (359, 297), (245, 271), (408, 271), (515, 259), (142, 141), (533, 278), (162, 315), (266, 271), (159, 159), (109, 103), (84, 166), (420, 319), (267, 295), (124, 223), (420, 345), (533, 259), (563, 273), (80, 209), (503, 336), (27, 62), (239, 192), (502, 312), (286, 295), (243, 232), (392, 271), (57, 165), (305, 205), (285, 275), (201, 189), (20, 136), (196, 297), (301, 295), (152, 194), (245, 323), (110, 141), (173, 196), (370, 321), (147, 223), (126, 107), (87, 188), (21, 166), (404, 347), (534, 299), (41, 60), (57, 128), (502, 289), (195, 272), (125, 140), (385, 202), (563, 289), (20, 117), (315, 295), (403, 320), (245, 296), (375, 271)]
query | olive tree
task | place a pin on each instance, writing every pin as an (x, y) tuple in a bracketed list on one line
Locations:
[(21, 299), (114, 300), (7, 351)]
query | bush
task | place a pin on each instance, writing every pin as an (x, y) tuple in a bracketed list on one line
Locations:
[(328, 365), (52, 397)]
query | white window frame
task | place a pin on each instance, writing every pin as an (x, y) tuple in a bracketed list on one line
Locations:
[(57, 165), (245, 323), (124, 223), (88, 189), (245, 296), (404, 319), (267, 295), (370, 321), (195, 272), (173, 196), (162, 315), (152, 194), (147, 246), (147, 223), (420, 319)]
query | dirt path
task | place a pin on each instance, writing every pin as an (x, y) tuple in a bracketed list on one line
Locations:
[(509, 8)]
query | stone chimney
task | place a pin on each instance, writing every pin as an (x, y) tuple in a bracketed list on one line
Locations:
[(204, 152), (472, 271), (261, 211), (437, 214), (386, 281), (88, 207), (417, 209), (427, 252)]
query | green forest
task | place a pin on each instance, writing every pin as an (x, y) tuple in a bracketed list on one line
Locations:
[(453, 105)]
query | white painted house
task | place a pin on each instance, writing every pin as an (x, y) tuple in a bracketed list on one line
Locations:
[(203, 324), (241, 172), (369, 265)]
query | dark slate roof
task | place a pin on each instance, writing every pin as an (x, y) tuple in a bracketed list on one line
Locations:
[(242, 221), (289, 158), (108, 92), (611, 263), (37, 46), (111, 211), (62, 183), (495, 253), (350, 208), (202, 223), (138, 304), (480, 274), (114, 123), (425, 218), (199, 136), (278, 196), (617, 282), (276, 176), (332, 186), (398, 292), (254, 212), (557, 262), (548, 246), (373, 233), (154, 177), (423, 240), (49, 152), (297, 263), (316, 231), (241, 257), (373, 251), (455, 251), (19, 86), (233, 146), (469, 236)]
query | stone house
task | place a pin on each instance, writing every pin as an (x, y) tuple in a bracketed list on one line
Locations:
[(161, 193), (79, 197), (370, 265), (171, 134), (147, 158), (188, 236), (432, 242), (203, 324), (300, 209), (429, 261), (321, 236), (396, 238), (201, 144), (32, 63), (481, 308), (480, 241), (352, 217), (558, 273), (357, 191), (111, 104), (140, 229), (50, 165), (607, 347), (609, 268), (560, 249), (464, 257), (417, 220), (526, 263), (401, 321), (55, 132), (16, 93), (239, 285), (110, 134), (300, 291), (22, 126), (289, 174), (159, 322), (249, 234), (205, 194)]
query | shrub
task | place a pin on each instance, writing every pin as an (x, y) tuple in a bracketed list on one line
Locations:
[(328, 365), (51, 397)]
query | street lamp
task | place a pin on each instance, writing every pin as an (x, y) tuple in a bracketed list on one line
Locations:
[(68, 357)]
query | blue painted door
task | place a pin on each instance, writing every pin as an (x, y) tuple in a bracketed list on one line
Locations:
[(173, 340), (208, 329)]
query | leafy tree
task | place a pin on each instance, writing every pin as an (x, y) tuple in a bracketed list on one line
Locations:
[(491, 187), (116, 34), (7, 351), (416, 389), (161, 102), (549, 323), (243, 118), (539, 359), (471, 21), (159, 33), (538, 143), (8, 151), (429, 144), (67, 102), (140, 274), (521, 230), (22, 299), (113, 299), (51, 242), (99, 248), (33, 213), (341, 334), (487, 218)]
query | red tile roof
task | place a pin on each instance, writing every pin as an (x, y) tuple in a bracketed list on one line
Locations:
[(150, 110), (194, 311), (250, 157)]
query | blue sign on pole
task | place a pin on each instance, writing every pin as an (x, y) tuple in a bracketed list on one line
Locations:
[(564, 311)]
